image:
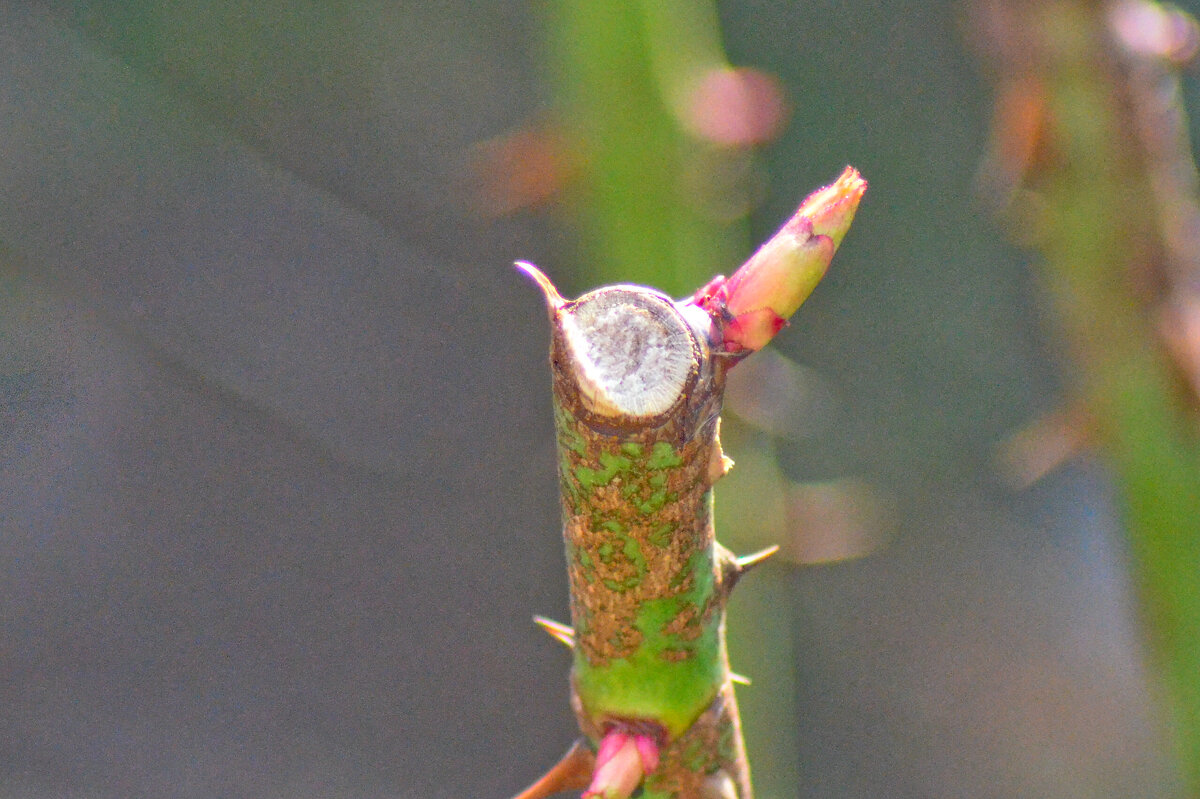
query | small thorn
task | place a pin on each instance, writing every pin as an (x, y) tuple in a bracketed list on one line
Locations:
[(554, 300), (748, 562), (719, 463), (572, 773), (734, 568), (560, 632), (740, 679)]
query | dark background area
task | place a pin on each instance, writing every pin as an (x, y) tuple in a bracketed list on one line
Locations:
[(276, 459)]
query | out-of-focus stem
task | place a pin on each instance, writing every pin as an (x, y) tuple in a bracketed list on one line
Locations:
[(638, 204), (1089, 201)]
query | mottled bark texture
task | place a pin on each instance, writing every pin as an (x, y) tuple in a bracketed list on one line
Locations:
[(638, 385)]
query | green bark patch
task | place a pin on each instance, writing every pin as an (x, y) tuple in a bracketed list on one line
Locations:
[(640, 548)]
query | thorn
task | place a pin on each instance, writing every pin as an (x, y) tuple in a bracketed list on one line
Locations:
[(719, 463), (554, 300), (734, 568), (572, 773), (740, 679), (560, 632), (748, 562)]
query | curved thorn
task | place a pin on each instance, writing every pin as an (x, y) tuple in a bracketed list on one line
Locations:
[(748, 562), (554, 300), (560, 632), (734, 568), (572, 773), (740, 679)]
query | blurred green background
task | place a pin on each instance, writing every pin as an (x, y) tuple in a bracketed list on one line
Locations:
[(276, 456)]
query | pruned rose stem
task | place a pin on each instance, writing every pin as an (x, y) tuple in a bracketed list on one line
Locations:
[(638, 381)]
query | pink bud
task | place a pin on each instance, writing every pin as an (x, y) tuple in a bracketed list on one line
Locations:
[(832, 208), (757, 300), (622, 762)]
